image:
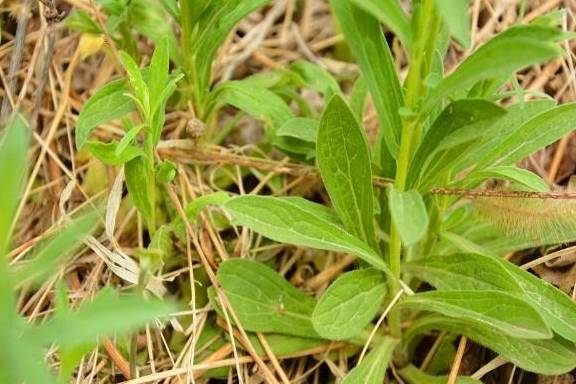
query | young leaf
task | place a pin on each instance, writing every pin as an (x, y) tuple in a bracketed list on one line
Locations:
[(137, 83), (105, 315), (409, 214), (317, 78), (535, 134), (455, 15), (109, 153), (413, 375), (546, 356), (512, 50), (344, 161), (373, 368), (264, 301), (299, 222), (136, 183), (391, 14), (108, 103), (159, 68), (349, 304), (495, 309), (365, 37)]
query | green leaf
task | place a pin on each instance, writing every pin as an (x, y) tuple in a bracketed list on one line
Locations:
[(516, 115), (302, 128), (391, 14), (13, 151), (109, 153), (108, 103), (136, 171), (344, 161), (527, 179), (159, 68), (285, 345), (105, 315), (413, 375), (80, 21), (365, 37), (512, 50), (409, 214), (52, 253), (137, 83), (463, 121), (316, 78), (373, 368), (535, 134), (546, 356), (128, 138), (555, 307), (254, 100), (455, 15), (297, 221), (474, 271), (165, 171), (264, 301), (349, 304), (460, 272), (495, 309)]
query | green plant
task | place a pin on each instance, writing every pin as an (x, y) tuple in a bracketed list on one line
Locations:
[(73, 331), (438, 133)]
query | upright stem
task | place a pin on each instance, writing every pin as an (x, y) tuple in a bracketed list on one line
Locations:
[(420, 60)]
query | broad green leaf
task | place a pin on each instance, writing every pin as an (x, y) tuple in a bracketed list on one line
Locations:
[(316, 77), (535, 134), (165, 172), (105, 315), (455, 15), (545, 356), (460, 272), (109, 153), (51, 254), (349, 304), (495, 309), (358, 97), (299, 222), (555, 307), (264, 301), (13, 151), (413, 375), (365, 37), (516, 115), (108, 103), (409, 214), (137, 174), (391, 14), (373, 368), (344, 161), (512, 50), (528, 180), (302, 128), (254, 100), (285, 345)]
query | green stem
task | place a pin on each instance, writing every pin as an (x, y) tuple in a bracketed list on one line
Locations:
[(415, 87), (151, 185)]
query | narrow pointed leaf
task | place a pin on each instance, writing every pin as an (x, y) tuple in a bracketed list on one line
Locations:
[(344, 160), (297, 221), (499, 310), (455, 15), (391, 14)]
